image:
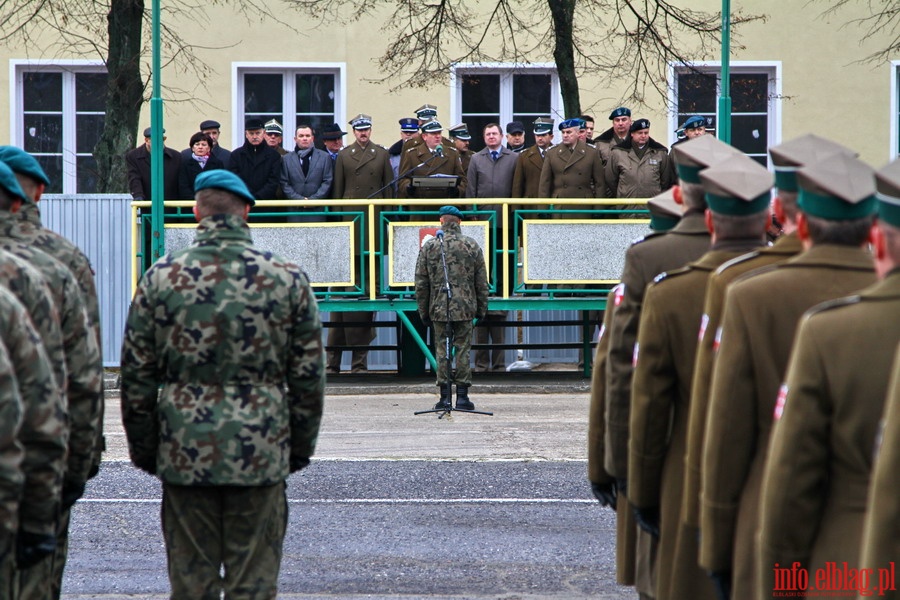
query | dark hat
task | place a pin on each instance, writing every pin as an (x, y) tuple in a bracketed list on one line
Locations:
[(273, 126), (450, 210), (223, 179), (209, 124), (409, 124), (361, 121), (837, 188), (253, 123), (23, 163), (568, 123), (639, 124), (431, 126), (9, 182), (695, 122), (887, 184), (426, 111), (699, 153), (515, 127), (799, 152), (664, 211), (620, 112), (737, 186), (149, 130), (460, 131), (332, 132), (543, 126)]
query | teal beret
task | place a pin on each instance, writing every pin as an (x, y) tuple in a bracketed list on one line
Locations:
[(9, 182), (451, 210), (221, 179), (21, 162), (569, 123)]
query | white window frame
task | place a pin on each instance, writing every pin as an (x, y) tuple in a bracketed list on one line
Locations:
[(239, 69), (506, 100), (773, 68), (894, 118), (17, 70)]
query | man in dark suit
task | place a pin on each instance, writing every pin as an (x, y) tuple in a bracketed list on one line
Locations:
[(307, 172), (137, 162), (256, 163)]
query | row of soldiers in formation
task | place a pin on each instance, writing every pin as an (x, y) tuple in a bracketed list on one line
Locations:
[(51, 384), (745, 399)]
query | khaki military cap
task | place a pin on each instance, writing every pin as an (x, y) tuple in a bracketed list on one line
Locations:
[(799, 152), (460, 131), (543, 126), (887, 184), (837, 188), (664, 211), (737, 186), (361, 121), (426, 111), (699, 153)]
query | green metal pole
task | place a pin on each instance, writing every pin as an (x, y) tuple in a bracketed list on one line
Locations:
[(157, 243), (724, 120)]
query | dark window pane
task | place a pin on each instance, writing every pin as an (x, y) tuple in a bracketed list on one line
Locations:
[(87, 132), (90, 92), (476, 128), (43, 133), (480, 94), (531, 93), (87, 175), (262, 93), (42, 92), (749, 92), (315, 93), (696, 93), (750, 134), (52, 166), (762, 159)]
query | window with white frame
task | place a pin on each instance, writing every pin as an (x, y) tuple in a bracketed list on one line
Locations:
[(501, 94), (294, 95), (754, 104), (59, 111)]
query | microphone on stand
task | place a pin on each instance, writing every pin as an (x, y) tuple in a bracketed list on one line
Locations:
[(439, 150), (440, 233)]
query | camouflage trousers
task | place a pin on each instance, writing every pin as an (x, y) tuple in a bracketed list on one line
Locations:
[(461, 343), (236, 530), (43, 581)]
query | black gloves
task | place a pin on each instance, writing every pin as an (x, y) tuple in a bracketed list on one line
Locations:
[(298, 463), (648, 520), (605, 493), (71, 492), (722, 583), (32, 548)]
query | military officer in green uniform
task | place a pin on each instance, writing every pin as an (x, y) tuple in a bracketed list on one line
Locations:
[(737, 194), (527, 175), (429, 159), (222, 394), (615, 135), (461, 138), (571, 169), (639, 166), (466, 276), (758, 324), (644, 260), (816, 480)]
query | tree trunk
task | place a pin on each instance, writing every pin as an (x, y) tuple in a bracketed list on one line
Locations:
[(124, 94), (563, 12)]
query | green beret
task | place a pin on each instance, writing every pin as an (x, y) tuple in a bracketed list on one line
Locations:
[(451, 210), (221, 179), (9, 182), (23, 163)]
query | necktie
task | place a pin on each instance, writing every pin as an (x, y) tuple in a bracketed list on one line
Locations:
[(494, 155)]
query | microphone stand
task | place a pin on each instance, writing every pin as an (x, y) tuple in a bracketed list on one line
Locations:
[(448, 345)]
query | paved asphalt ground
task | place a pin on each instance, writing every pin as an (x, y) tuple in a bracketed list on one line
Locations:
[(396, 505)]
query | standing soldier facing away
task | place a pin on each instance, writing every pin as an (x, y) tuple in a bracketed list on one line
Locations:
[(467, 277), (233, 336)]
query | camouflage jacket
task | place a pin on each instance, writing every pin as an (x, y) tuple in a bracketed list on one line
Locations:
[(466, 272), (32, 232), (10, 452), (223, 327), (84, 368), (43, 433)]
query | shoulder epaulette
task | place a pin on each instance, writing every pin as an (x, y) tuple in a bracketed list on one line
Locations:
[(649, 235), (670, 274)]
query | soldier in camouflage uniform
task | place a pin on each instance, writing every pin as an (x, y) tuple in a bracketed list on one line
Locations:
[(233, 336), (467, 276), (11, 454), (33, 179), (84, 369)]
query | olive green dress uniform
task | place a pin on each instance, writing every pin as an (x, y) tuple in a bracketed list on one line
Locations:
[(605, 142), (815, 484), (572, 173), (629, 175), (881, 533), (784, 248), (527, 176), (448, 164), (758, 327)]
